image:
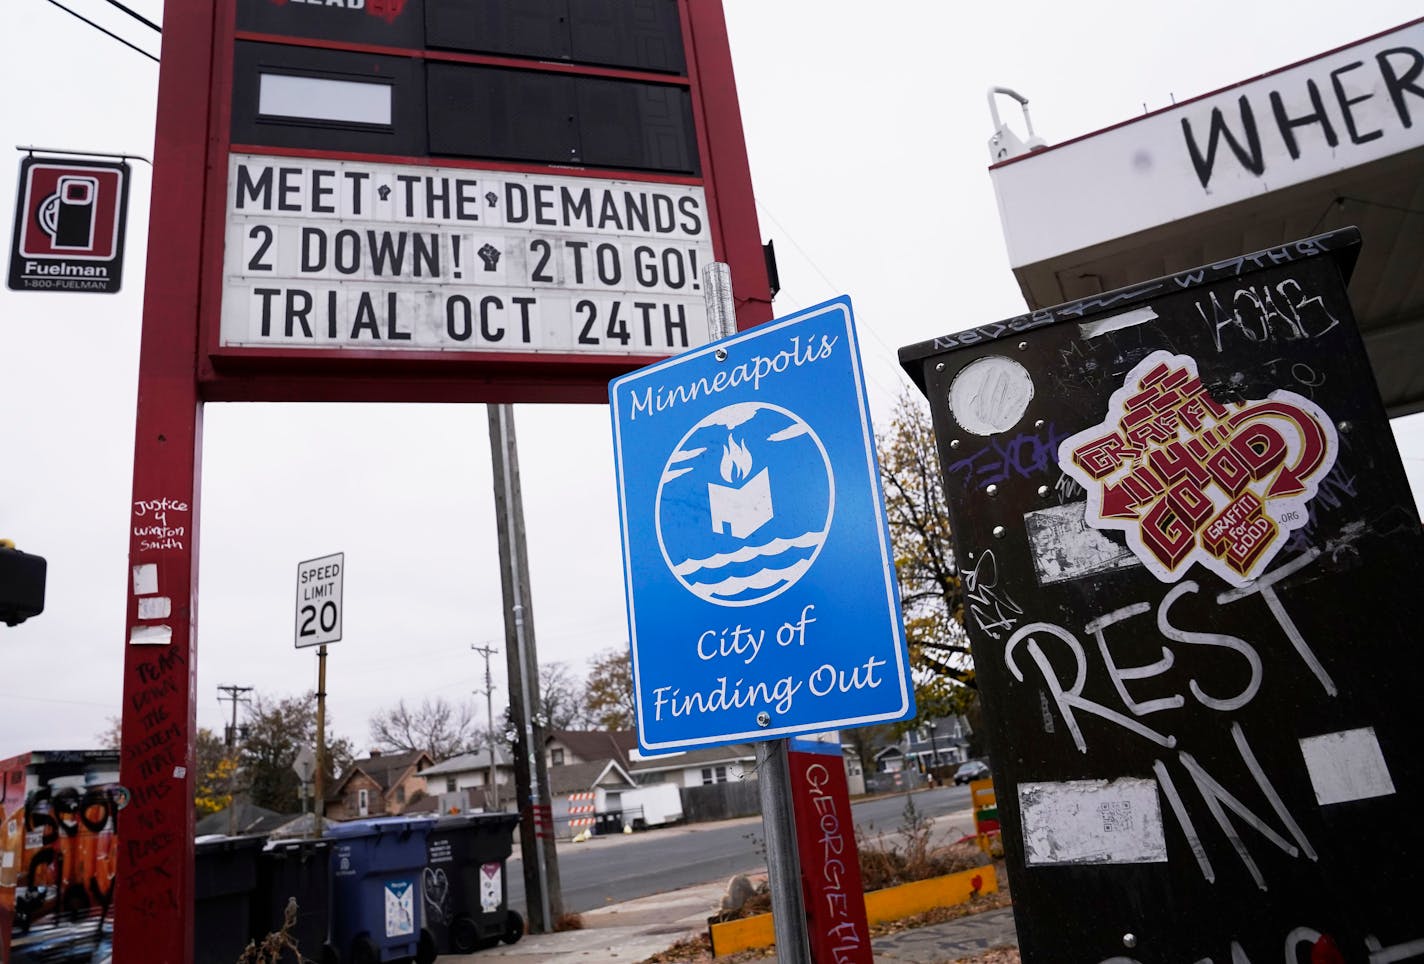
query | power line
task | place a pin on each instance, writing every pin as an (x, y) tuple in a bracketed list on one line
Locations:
[(137, 16), (103, 30), (902, 378)]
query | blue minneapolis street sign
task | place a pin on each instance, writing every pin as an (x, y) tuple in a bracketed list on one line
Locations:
[(761, 586)]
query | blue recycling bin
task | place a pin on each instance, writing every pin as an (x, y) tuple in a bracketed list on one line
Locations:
[(224, 881), (376, 867)]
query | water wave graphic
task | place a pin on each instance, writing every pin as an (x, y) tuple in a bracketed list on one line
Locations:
[(807, 540), (764, 579)]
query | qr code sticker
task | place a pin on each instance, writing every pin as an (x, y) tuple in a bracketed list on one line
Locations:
[(1117, 816)]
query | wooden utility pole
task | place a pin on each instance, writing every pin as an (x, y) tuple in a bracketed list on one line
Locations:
[(319, 780), (492, 791), (236, 694), (543, 896)]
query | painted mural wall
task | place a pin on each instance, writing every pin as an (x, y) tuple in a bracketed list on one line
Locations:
[(58, 854)]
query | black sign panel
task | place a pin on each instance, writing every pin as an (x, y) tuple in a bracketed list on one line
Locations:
[(630, 34), (1190, 559), (69, 225), (555, 118), (389, 23), (624, 34), (309, 98)]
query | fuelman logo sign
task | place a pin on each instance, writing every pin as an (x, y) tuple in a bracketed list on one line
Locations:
[(69, 225), (1189, 479)]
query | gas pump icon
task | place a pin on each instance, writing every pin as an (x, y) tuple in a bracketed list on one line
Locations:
[(67, 215)]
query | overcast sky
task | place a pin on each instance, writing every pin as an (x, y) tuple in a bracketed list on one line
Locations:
[(866, 129)]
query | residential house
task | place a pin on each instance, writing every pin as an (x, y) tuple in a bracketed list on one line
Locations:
[(587, 762), (381, 785), (696, 768), (240, 817), (568, 747), (855, 773), (942, 742), (463, 782), (599, 785)]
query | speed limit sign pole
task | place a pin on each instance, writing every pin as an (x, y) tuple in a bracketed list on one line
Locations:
[(318, 623), (319, 783)]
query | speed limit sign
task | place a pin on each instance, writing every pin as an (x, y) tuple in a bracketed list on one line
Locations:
[(319, 600)]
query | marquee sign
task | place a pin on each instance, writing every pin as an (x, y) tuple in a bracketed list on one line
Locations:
[(387, 257), (432, 200)]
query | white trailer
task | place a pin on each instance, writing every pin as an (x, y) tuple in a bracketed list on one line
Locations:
[(661, 804)]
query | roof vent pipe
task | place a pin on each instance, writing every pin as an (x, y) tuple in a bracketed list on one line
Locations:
[(1005, 144)]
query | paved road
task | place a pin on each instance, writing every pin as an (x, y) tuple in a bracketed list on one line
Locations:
[(658, 861)]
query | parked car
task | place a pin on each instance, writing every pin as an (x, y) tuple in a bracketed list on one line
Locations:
[(973, 770)]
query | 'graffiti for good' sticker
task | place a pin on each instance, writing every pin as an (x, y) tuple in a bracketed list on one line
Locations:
[(1189, 479)]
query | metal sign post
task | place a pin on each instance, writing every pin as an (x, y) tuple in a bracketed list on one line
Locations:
[(319, 803), (783, 868), (778, 821), (304, 766)]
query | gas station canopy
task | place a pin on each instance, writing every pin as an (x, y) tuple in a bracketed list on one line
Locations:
[(1334, 140)]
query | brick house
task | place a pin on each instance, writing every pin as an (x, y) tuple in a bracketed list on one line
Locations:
[(381, 785)]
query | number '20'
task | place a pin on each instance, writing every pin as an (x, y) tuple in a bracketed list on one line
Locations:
[(325, 618)]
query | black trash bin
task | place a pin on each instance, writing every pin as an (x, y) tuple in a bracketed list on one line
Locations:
[(224, 880), (610, 821), (465, 894), (297, 870)]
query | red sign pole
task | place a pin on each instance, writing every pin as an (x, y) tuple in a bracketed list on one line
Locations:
[(153, 920), (830, 860), (154, 896)]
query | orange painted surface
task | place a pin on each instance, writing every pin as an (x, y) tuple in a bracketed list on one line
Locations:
[(891, 903)]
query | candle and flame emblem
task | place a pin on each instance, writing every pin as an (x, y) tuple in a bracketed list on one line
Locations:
[(722, 533), (740, 507)]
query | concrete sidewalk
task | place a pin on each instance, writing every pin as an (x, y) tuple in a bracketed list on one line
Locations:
[(631, 931), (638, 929), (634, 930)]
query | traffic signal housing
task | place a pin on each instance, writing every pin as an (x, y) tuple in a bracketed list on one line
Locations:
[(22, 584)]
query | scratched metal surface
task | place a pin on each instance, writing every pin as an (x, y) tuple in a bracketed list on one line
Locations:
[(1246, 784)]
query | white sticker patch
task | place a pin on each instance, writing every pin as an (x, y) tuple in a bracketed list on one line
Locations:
[(1117, 322), (150, 635), (1346, 766), (155, 607), (990, 395), (491, 886), (1092, 822), (1064, 547), (400, 908), (145, 579)]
